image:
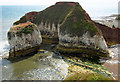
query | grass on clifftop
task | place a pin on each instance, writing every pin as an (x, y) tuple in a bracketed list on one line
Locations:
[(77, 24), (26, 30), (53, 14)]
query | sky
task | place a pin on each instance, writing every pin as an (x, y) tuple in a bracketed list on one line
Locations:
[(91, 6), (102, 3)]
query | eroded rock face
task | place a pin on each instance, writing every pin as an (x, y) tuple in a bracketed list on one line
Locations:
[(24, 38), (79, 33), (85, 40), (80, 29)]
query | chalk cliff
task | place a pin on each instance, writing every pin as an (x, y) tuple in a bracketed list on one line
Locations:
[(24, 39), (78, 34), (68, 24), (77, 29)]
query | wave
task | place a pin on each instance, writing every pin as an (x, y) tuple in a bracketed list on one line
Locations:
[(4, 48)]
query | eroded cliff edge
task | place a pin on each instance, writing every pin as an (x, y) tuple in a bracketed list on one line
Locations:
[(24, 39)]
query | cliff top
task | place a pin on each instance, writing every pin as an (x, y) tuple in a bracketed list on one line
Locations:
[(67, 3), (70, 15), (78, 22), (53, 14), (22, 27)]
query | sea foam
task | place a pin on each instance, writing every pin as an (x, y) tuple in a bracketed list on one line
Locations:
[(4, 48)]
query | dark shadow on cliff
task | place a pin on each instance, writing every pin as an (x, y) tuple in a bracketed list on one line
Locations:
[(48, 47), (22, 57), (82, 57)]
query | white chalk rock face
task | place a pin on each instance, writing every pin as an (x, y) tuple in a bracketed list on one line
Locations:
[(78, 35), (24, 39), (48, 27), (91, 46), (96, 41)]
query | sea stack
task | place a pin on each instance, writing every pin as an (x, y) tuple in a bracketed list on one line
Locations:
[(24, 39)]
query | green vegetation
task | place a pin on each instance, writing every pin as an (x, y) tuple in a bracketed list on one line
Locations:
[(49, 40), (72, 18), (53, 14), (87, 76), (77, 24), (87, 64), (85, 70), (26, 30), (83, 52)]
